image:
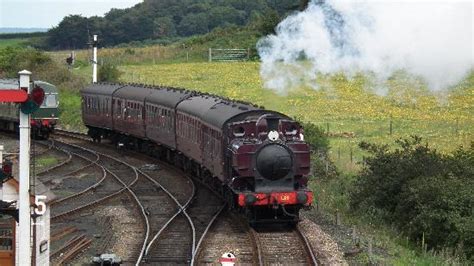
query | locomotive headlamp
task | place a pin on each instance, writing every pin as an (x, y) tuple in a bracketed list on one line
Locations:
[(273, 135), (302, 197)]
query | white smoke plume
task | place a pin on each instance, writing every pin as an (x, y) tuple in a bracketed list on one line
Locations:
[(429, 39)]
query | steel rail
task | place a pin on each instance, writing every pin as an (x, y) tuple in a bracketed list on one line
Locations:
[(204, 234), (68, 160), (257, 243), (182, 208), (104, 175), (308, 247)]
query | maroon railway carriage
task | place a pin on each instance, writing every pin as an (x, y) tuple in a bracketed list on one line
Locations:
[(97, 108), (128, 110), (255, 157), (160, 113)]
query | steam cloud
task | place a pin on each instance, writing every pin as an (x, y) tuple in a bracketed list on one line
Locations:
[(429, 39)]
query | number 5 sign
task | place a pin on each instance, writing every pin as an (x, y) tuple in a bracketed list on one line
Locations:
[(40, 203)]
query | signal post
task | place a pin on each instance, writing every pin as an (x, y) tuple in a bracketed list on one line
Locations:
[(24, 251), (30, 99)]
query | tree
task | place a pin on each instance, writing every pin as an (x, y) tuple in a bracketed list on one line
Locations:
[(270, 20), (194, 24), (163, 27), (71, 33), (222, 15)]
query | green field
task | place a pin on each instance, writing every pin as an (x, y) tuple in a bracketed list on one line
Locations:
[(12, 42)]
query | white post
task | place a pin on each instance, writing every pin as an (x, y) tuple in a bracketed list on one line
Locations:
[(210, 54), (1, 164), (24, 249), (94, 60)]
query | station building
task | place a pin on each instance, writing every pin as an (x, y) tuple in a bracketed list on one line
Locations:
[(40, 226)]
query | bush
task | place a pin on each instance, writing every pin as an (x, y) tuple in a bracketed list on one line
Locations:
[(421, 191), (315, 136), (15, 59), (318, 141), (108, 73)]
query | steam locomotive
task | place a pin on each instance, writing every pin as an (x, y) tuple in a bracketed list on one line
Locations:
[(256, 158)]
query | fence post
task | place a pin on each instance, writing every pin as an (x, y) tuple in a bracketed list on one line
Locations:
[(248, 54), (338, 153), (391, 126), (187, 56), (327, 168), (338, 218), (327, 128), (210, 54), (370, 248), (354, 235), (423, 248), (351, 154)]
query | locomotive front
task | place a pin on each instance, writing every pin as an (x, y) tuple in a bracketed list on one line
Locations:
[(270, 167)]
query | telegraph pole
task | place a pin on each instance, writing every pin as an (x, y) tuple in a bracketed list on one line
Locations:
[(24, 247), (94, 60)]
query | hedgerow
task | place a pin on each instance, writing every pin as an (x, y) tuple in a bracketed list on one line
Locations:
[(426, 194)]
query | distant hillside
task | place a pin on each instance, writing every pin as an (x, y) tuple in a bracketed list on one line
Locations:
[(22, 30), (165, 20)]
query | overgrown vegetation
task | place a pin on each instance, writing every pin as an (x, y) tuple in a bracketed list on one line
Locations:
[(108, 72), (14, 59), (425, 194)]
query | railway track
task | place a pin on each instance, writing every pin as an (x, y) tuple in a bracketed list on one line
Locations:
[(157, 217), (108, 185), (117, 177), (185, 230), (274, 246), (179, 241), (50, 170), (280, 246)]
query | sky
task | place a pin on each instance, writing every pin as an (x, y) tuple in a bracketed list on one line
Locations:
[(48, 13)]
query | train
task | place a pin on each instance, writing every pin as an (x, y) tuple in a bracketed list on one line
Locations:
[(43, 120), (256, 159)]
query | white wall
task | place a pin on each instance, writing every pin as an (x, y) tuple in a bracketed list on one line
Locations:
[(42, 236)]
